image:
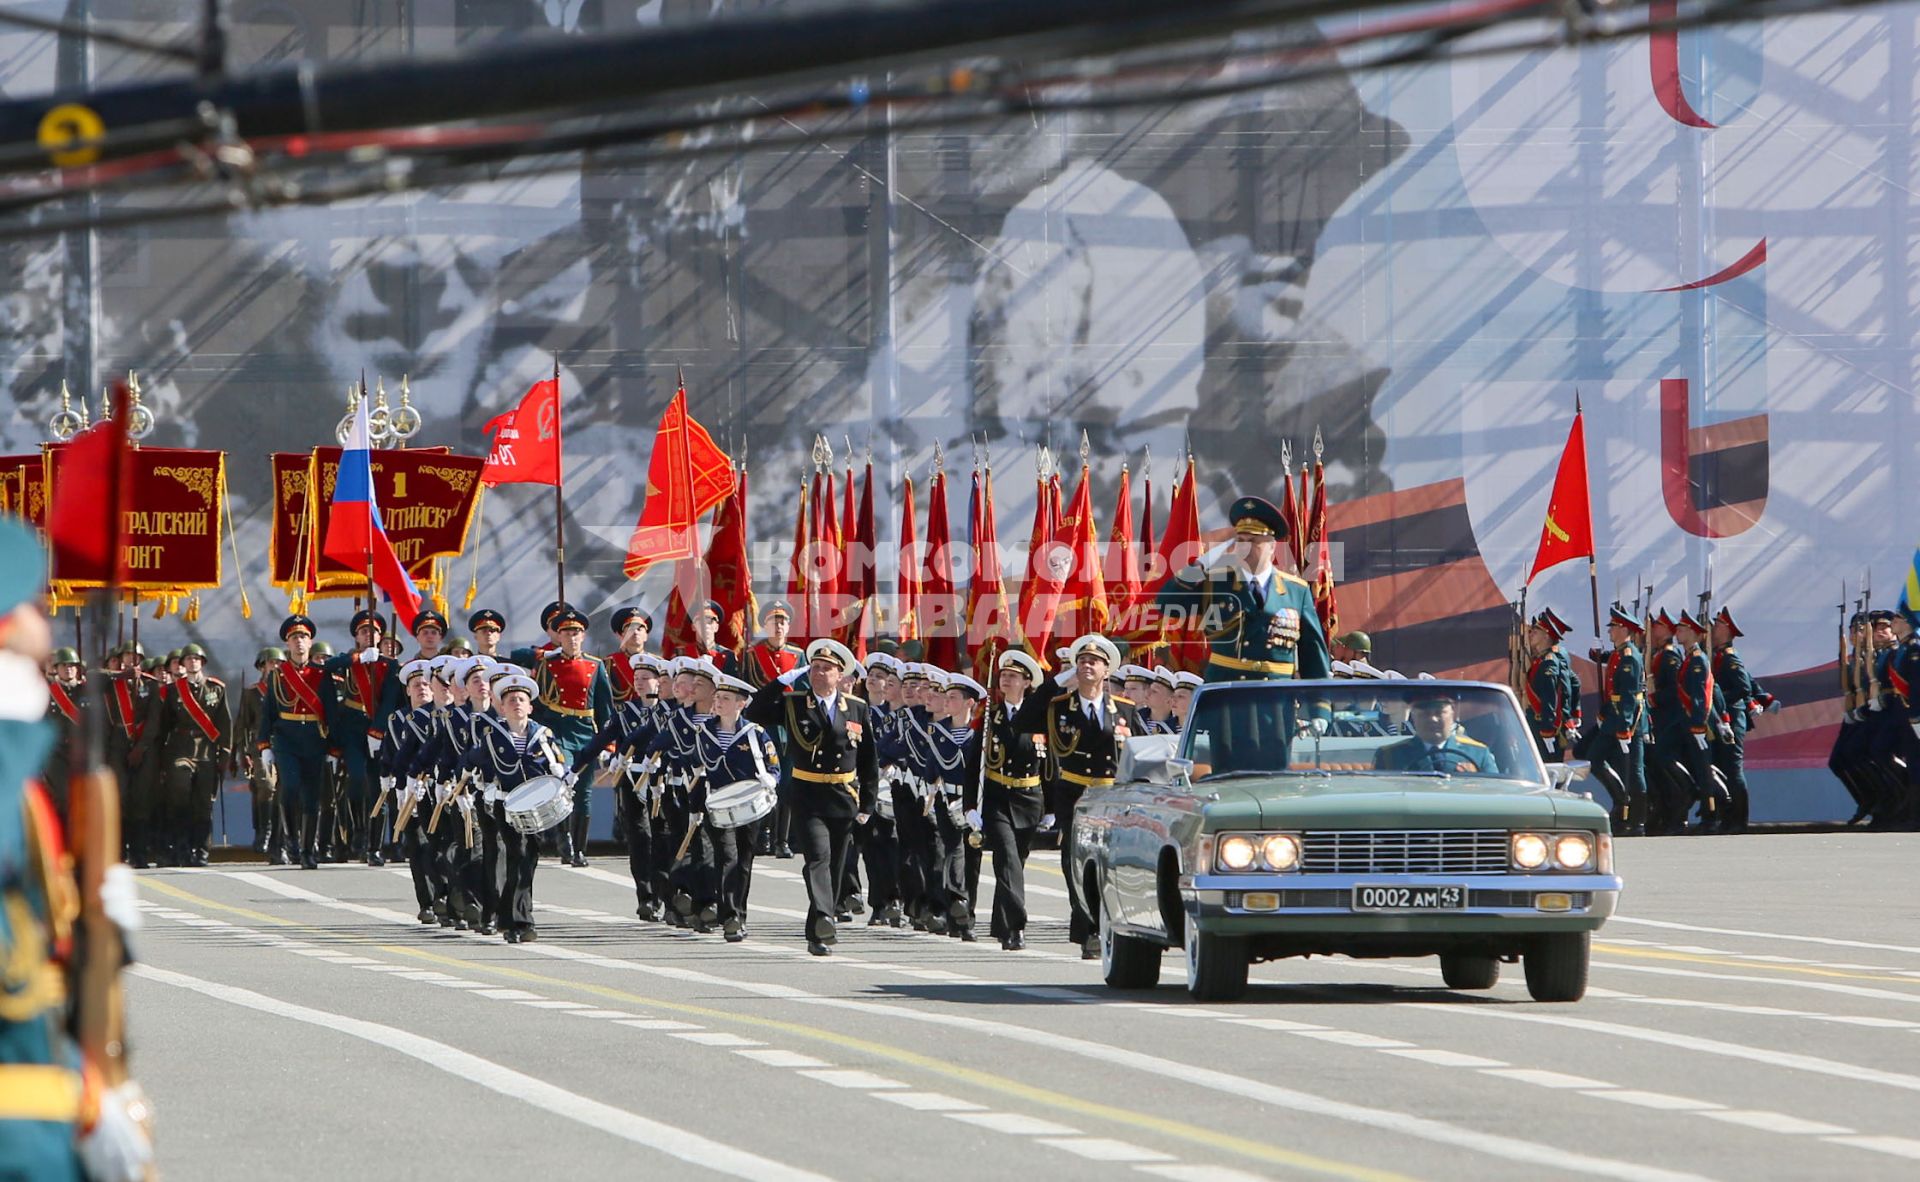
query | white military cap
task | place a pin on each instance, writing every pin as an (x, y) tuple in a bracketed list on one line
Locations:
[(1342, 669), (503, 686), (1189, 680), (732, 685), (702, 667), (1364, 670), (1133, 673), (413, 669), (960, 681), (1098, 645), (828, 649), (938, 676), (1022, 661)]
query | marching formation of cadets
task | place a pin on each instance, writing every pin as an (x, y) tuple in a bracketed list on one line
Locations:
[(1876, 755)]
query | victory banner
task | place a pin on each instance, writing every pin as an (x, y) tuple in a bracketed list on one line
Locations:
[(172, 534), (427, 498)]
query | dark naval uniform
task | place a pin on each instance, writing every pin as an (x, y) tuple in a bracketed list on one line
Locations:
[(505, 761), (1009, 792), (576, 699), (1082, 738), (835, 773), (628, 734), (293, 726), (727, 757)]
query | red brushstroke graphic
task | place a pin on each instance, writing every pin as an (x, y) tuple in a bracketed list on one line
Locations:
[(1699, 510), (1663, 52), (1747, 262)]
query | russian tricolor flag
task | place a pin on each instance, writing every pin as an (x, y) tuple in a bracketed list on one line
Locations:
[(354, 535)]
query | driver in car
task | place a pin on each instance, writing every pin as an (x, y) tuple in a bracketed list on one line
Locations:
[(1438, 744)]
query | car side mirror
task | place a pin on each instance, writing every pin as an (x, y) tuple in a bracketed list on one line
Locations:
[(1147, 759), (1565, 775)]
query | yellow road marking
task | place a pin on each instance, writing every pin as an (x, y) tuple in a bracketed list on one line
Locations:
[(1734, 963), (985, 1080)]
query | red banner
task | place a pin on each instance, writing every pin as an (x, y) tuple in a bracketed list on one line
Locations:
[(23, 488), (171, 535), (426, 498)]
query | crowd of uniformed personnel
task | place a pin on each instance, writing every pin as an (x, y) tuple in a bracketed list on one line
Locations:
[(1876, 753)]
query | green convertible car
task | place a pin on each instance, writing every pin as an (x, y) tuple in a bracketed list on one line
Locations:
[(1359, 818)]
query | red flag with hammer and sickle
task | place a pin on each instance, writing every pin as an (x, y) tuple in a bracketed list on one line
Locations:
[(526, 439), (1568, 532)]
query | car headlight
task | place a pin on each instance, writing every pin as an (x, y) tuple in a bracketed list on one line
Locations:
[(1236, 852), (1280, 851), (1573, 851), (1529, 851)]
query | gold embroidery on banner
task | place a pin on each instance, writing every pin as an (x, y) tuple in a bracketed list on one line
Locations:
[(195, 480), (460, 478)]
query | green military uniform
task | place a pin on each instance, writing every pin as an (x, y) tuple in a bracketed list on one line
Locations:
[(1257, 629), (269, 826), (141, 790), (66, 707), (196, 745), (1458, 756)]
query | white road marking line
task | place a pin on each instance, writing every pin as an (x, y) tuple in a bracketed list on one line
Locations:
[(718, 1038), (675, 1142), (1445, 1058), (1557, 1157), (1692, 1042), (1273, 1024), (1103, 1149), (603, 1013), (930, 1102), (843, 1077), (774, 1057), (1186, 1173), (509, 995), (555, 1005), (1898, 1146), (1545, 1079), (459, 984), (1659, 1100), (1776, 1122), (1830, 941), (1778, 982), (1017, 1123), (1352, 1038), (655, 1024)]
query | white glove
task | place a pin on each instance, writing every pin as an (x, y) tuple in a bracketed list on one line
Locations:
[(1915, 724), (368, 656), (266, 758), (1874, 705), (571, 777), (860, 819), (1046, 823), (373, 745), (333, 763), (973, 820), (118, 1148), (1317, 725), (1701, 740), (386, 783), (793, 675), (119, 898), (1626, 746), (1552, 746), (606, 758)]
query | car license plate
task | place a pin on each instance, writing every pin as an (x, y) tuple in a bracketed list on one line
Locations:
[(1409, 898)]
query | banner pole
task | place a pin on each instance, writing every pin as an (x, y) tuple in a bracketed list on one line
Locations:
[(559, 496)]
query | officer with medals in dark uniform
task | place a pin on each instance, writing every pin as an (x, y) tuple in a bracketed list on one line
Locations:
[(366, 693), (1259, 621), (575, 701), (1618, 743), (833, 770), (293, 734), (1081, 732), (1006, 799)]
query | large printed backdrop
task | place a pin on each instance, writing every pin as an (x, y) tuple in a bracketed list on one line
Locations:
[(1427, 265)]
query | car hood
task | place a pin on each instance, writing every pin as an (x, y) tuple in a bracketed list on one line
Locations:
[(1399, 802)]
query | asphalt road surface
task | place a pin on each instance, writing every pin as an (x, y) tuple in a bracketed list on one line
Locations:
[(1754, 1013)]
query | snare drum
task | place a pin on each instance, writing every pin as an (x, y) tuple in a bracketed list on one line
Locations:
[(539, 804), (741, 803)]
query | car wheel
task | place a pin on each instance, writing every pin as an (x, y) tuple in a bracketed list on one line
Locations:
[(1466, 971), (1127, 962), (1556, 966), (1216, 965)]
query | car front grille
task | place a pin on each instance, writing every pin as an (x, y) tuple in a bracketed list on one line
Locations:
[(1404, 851)]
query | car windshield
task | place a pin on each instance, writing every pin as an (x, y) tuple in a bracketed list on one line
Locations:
[(1344, 728)]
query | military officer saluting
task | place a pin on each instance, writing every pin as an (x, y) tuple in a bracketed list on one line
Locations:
[(833, 770), (1259, 621), (1081, 732)]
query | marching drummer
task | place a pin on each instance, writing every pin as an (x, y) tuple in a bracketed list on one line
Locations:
[(483, 857), (683, 861), (731, 751), (913, 826), (883, 844), (959, 833), (409, 733), (507, 753), (935, 763), (621, 746)]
